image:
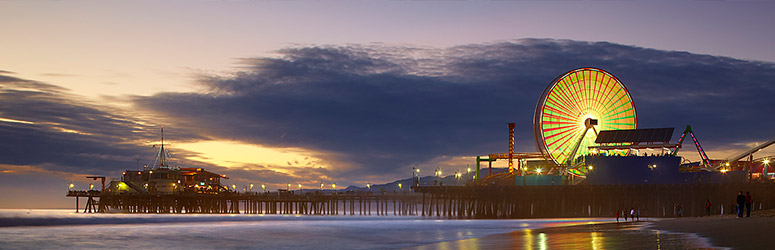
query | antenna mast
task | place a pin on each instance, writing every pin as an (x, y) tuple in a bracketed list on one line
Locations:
[(162, 158)]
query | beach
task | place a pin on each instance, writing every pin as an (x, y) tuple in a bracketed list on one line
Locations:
[(65, 230), (727, 230), (612, 235), (708, 232)]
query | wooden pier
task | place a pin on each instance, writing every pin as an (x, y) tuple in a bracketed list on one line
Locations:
[(490, 202), (461, 202), (345, 203)]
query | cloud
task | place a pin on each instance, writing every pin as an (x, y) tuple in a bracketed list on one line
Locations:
[(371, 112), (59, 75), (46, 128), (388, 107)]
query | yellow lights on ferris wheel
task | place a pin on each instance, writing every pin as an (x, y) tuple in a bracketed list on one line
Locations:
[(569, 102)]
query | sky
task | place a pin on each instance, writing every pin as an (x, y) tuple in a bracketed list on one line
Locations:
[(351, 92)]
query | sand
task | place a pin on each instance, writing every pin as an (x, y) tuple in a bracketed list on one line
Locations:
[(728, 230), (629, 235), (709, 232)]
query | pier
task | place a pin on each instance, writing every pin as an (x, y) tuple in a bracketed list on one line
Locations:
[(454, 202), (312, 203), (518, 202)]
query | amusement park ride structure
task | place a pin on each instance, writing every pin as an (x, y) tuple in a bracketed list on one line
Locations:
[(591, 99), (574, 103)]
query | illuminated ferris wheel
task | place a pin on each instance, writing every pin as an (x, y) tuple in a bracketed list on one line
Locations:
[(573, 104)]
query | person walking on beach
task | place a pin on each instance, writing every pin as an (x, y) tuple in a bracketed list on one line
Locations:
[(637, 214), (740, 204), (617, 216), (632, 214), (748, 203), (707, 207)]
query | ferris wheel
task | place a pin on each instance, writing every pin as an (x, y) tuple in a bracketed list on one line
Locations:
[(575, 102)]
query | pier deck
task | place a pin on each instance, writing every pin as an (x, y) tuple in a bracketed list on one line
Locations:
[(352, 203)]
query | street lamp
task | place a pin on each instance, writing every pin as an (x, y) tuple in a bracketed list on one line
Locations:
[(234, 186), (333, 185), (70, 186), (299, 186), (289, 186), (368, 185), (399, 186), (321, 186), (766, 162), (415, 176), (436, 173), (251, 187), (263, 186), (91, 186)]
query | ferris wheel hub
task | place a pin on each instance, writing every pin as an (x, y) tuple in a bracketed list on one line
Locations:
[(589, 122)]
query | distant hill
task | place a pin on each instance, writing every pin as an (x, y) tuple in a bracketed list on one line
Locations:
[(448, 180)]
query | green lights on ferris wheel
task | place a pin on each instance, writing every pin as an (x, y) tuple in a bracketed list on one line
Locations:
[(572, 98)]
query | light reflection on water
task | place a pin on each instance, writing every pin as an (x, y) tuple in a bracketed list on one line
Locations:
[(139, 231), (598, 237), (66, 230)]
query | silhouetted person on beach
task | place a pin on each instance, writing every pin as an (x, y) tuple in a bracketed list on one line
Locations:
[(637, 214), (707, 208), (617, 216), (740, 204), (748, 203)]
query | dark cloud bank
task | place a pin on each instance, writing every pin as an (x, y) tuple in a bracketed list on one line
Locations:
[(98, 140), (386, 108), (383, 108)]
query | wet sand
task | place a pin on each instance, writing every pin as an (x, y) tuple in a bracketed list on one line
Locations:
[(710, 232), (629, 235), (727, 231)]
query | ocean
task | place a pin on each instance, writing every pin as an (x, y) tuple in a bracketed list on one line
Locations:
[(64, 229)]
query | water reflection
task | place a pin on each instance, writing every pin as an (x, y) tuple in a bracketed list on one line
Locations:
[(597, 241), (597, 237), (542, 241), (528, 238)]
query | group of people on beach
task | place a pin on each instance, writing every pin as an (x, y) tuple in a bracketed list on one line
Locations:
[(744, 201), (634, 214)]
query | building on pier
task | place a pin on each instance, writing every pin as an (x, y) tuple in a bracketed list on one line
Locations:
[(164, 178)]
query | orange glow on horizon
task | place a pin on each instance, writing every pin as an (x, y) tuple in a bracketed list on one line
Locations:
[(237, 154)]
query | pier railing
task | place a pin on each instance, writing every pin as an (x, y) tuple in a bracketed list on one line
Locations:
[(484, 202), (464, 202), (344, 203)]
